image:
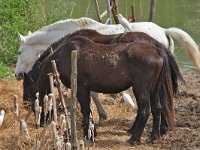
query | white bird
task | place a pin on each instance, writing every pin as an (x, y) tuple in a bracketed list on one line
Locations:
[(2, 113), (127, 98), (124, 22)]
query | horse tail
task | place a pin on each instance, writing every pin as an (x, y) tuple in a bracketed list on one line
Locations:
[(168, 85), (187, 43)]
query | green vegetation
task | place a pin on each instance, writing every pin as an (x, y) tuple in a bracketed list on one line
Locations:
[(22, 16), (6, 72)]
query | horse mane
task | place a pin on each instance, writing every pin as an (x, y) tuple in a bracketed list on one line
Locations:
[(80, 21), (84, 21)]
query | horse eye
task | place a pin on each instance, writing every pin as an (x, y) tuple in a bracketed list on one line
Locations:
[(19, 53)]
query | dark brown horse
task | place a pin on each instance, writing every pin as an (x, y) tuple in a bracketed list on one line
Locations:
[(30, 86), (151, 72)]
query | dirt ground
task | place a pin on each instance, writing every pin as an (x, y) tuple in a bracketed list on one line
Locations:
[(113, 135)]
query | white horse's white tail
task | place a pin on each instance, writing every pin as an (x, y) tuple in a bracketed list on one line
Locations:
[(187, 43)]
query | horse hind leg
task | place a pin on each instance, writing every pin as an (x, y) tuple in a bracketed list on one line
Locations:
[(163, 125), (101, 111), (156, 110), (143, 113)]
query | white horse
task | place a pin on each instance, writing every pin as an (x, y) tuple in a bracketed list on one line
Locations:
[(36, 43)]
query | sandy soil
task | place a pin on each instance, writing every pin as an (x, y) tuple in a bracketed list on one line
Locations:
[(113, 135)]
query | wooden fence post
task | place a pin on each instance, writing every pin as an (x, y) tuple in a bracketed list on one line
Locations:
[(74, 99), (114, 5), (133, 13), (97, 10)]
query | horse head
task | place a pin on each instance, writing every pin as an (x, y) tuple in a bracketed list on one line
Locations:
[(28, 53)]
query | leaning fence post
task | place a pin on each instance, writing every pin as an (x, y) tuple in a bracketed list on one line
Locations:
[(58, 82), (74, 99)]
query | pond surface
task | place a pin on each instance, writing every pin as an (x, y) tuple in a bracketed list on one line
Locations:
[(184, 14)]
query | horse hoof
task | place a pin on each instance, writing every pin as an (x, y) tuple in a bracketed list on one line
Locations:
[(133, 142), (163, 130), (152, 140), (102, 122), (41, 125)]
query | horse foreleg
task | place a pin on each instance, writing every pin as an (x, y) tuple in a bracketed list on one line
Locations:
[(140, 121), (101, 111)]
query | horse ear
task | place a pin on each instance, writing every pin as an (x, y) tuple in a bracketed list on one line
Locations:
[(22, 38)]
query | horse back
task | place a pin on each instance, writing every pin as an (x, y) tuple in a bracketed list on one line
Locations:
[(116, 66)]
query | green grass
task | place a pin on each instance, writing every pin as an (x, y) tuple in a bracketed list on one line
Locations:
[(6, 72)]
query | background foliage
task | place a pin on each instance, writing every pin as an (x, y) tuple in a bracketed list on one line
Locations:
[(22, 16)]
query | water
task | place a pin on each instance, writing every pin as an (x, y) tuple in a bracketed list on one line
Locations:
[(184, 14)]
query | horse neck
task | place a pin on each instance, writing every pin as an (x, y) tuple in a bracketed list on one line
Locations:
[(44, 38), (57, 30)]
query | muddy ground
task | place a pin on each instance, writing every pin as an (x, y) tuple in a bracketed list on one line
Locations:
[(113, 135)]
